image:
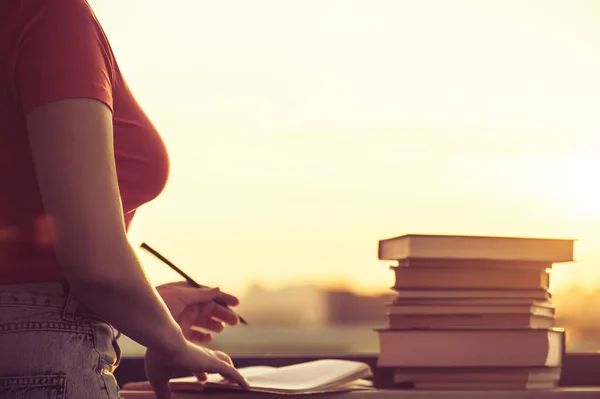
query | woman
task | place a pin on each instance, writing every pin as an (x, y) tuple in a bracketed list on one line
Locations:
[(78, 156)]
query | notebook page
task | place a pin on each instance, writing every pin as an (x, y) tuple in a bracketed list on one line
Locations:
[(310, 375), (358, 385), (247, 372), (213, 378)]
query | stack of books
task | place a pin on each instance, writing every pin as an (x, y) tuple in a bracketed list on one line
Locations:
[(472, 312)]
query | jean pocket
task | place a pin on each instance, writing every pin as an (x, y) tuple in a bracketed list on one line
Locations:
[(104, 345), (42, 386)]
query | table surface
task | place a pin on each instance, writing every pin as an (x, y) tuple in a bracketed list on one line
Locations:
[(563, 393)]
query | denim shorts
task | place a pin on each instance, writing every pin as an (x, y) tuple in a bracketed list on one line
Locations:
[(52, 348)]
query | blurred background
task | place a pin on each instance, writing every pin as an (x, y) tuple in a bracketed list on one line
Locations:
[(302, 132)]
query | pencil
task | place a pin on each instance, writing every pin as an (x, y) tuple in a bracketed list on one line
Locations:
[(190, 280)]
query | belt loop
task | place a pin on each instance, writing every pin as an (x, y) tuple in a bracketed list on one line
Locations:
[(70, 305)]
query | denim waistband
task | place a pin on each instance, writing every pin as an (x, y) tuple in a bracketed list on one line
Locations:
[(47, 295), (41, 294)]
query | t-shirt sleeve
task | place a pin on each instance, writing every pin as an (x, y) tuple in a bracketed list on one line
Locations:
[(63, 53)]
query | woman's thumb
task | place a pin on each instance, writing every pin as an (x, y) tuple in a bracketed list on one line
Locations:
[(161, 388), (158, 378)]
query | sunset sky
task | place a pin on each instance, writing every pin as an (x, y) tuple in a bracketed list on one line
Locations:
[(302, 132)]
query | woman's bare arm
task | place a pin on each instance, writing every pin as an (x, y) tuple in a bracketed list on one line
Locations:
[(72, 148)]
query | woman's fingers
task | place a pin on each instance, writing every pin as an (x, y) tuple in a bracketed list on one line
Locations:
[(193, 296), (214, 312), (208, 311), (203, 295), (229, 372), (229, 299), (198, 360), (199, 337), (226, 315), (224, 357), (219, 362), (209, 324)]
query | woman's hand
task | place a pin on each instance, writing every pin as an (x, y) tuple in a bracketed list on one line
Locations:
[(194, 308), (161, 365)]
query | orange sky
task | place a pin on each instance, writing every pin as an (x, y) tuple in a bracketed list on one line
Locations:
[(301, 132)]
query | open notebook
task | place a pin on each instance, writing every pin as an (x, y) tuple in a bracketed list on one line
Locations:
[(327, 375)]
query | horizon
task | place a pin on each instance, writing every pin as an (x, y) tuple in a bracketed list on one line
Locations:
[(301, 133)]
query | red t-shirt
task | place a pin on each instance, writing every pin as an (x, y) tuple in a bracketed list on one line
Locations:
[(53, 50)]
